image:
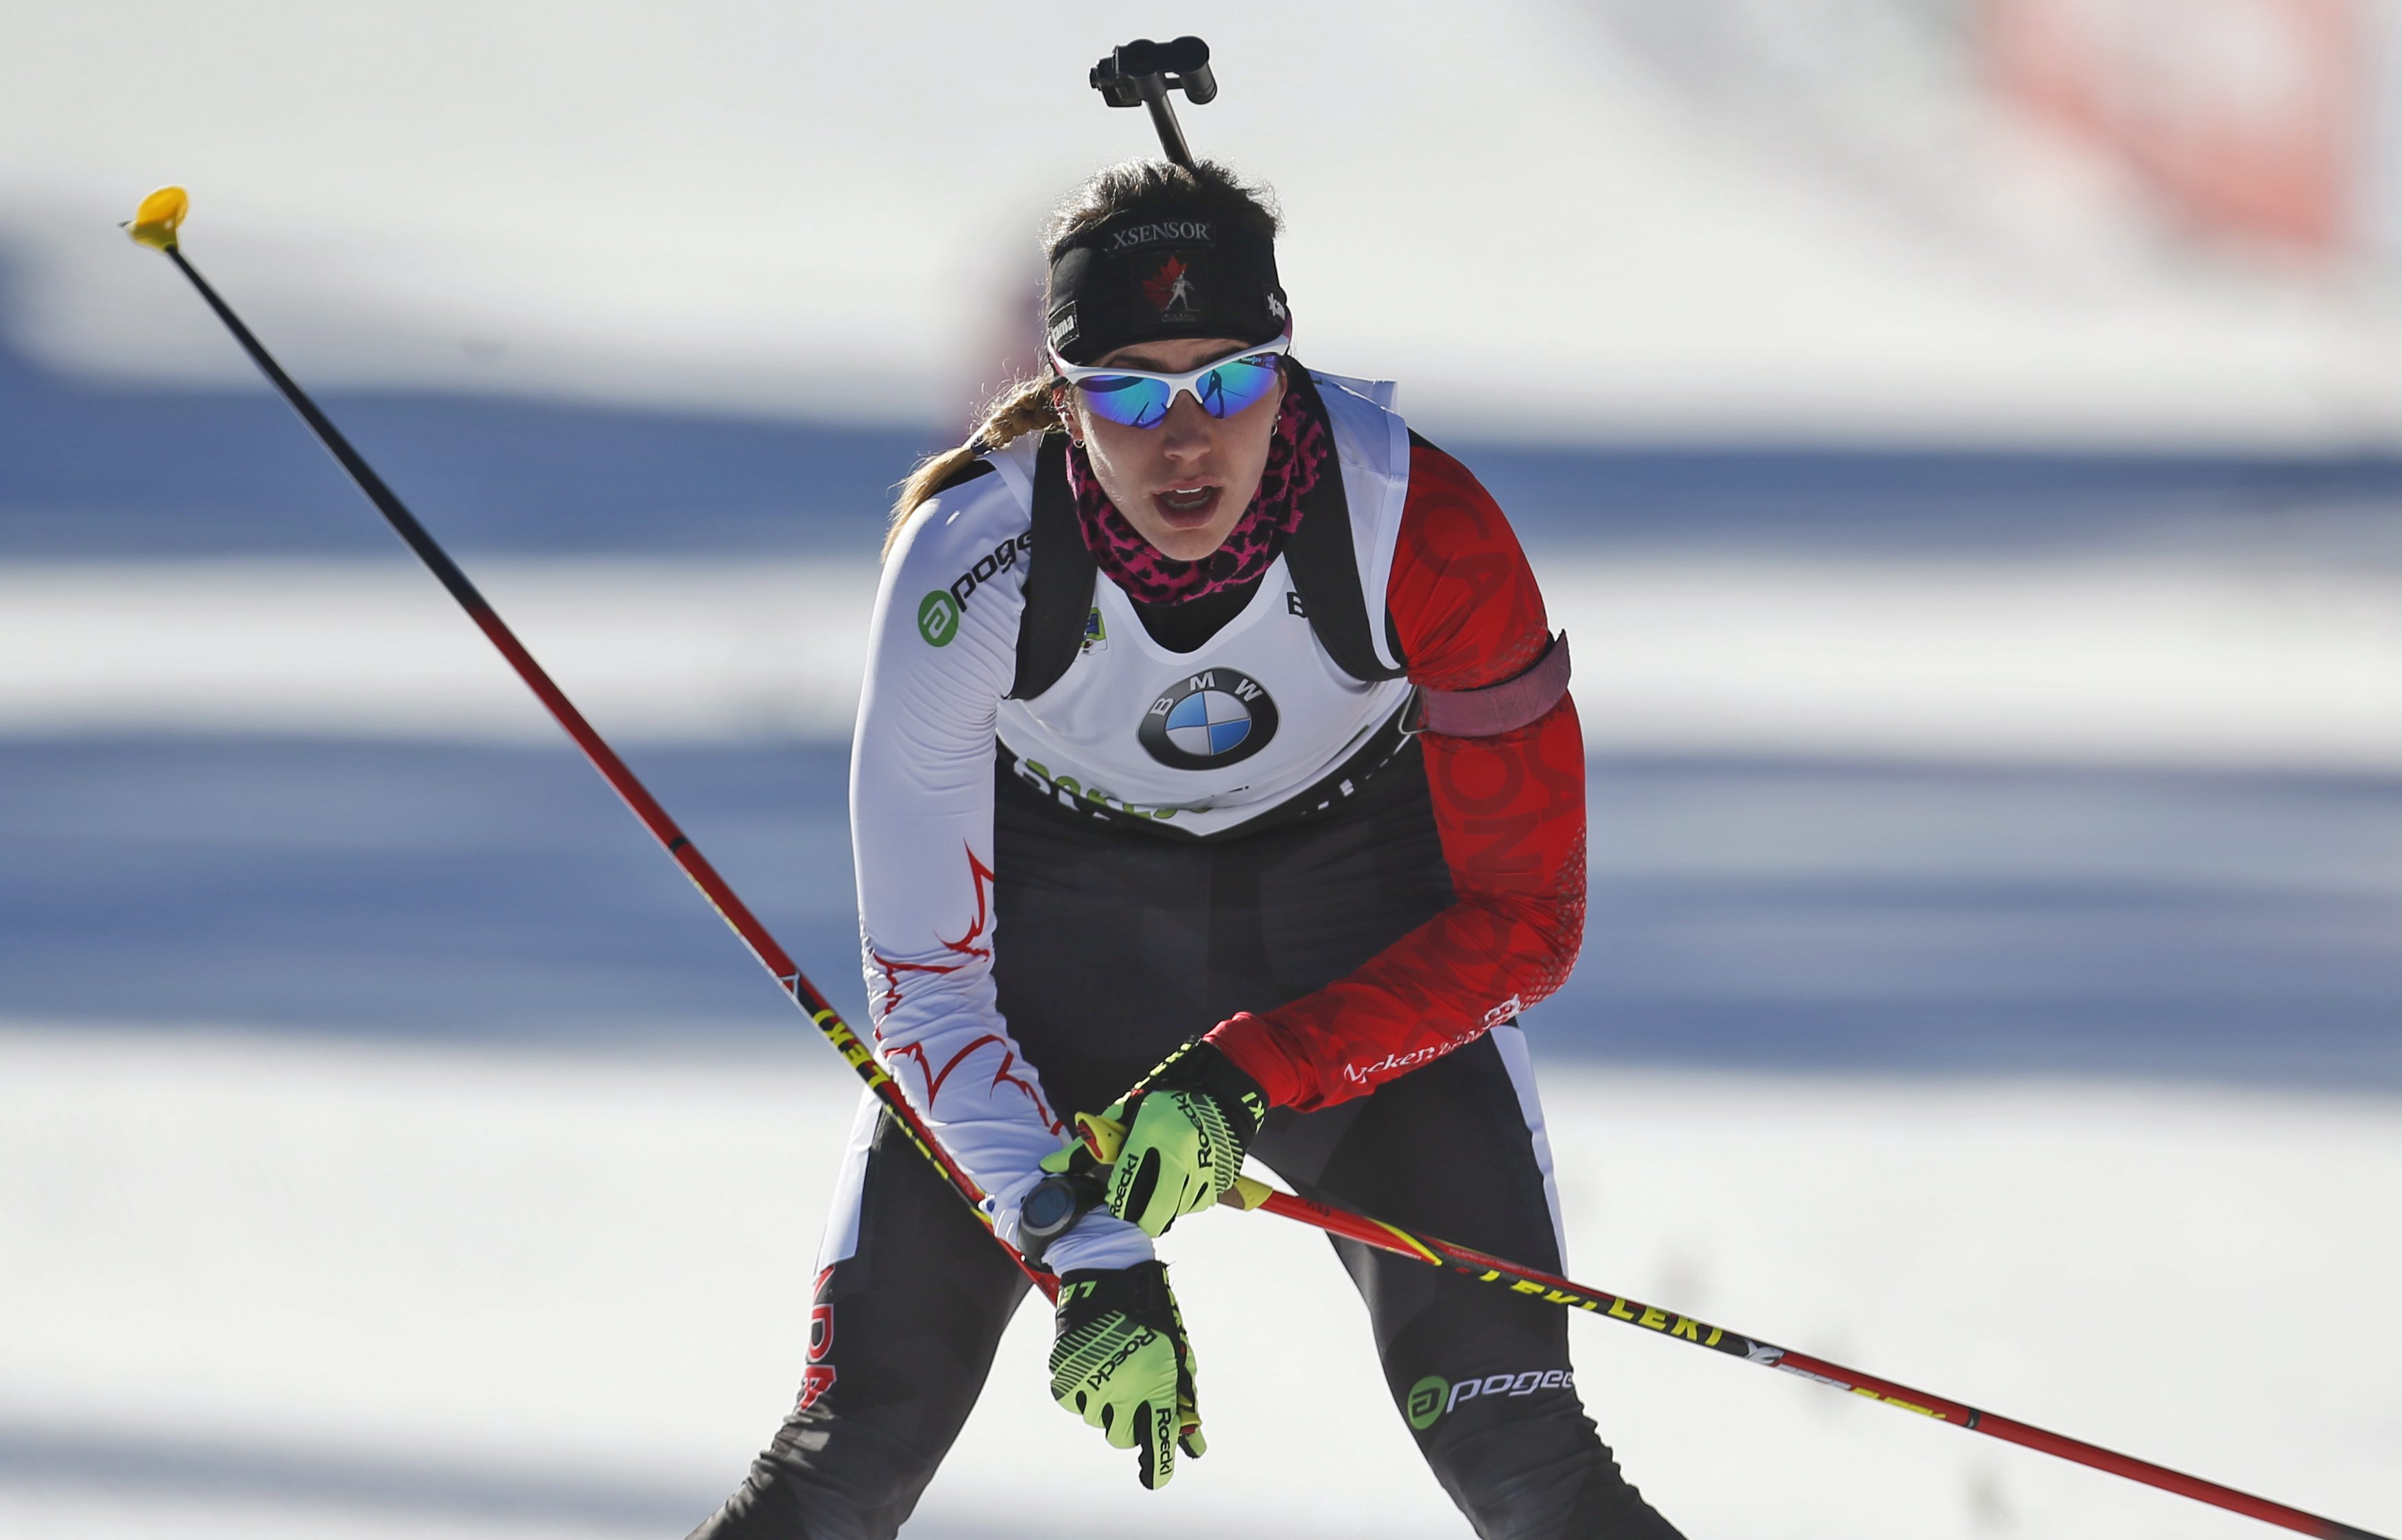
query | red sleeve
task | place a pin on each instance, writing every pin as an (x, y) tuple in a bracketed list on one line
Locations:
[(1510, 809)]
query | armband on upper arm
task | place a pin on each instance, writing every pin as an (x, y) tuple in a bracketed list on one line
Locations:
[(1498, 709)]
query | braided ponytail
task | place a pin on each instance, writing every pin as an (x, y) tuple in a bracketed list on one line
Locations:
[(1022, 407)]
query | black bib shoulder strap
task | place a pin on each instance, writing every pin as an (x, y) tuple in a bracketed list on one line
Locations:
[(1059, 577), (1325, 566)]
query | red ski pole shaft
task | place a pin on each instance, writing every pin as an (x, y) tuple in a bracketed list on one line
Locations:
[(1554, 1289), (157, 228)]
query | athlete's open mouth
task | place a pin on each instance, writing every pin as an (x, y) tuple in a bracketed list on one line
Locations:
[(1185, 507)]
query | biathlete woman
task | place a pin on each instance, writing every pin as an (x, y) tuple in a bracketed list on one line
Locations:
[(1216, 766)]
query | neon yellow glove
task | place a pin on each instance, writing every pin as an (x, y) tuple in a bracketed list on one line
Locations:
[(1187, 1126), (1120, 1362)]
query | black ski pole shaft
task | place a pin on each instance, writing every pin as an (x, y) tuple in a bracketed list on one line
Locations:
[(156, 225), (1163, 117)]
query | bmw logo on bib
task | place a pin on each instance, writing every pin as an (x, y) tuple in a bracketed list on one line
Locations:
[(1215, 717)]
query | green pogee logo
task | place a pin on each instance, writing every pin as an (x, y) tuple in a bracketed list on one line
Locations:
[(938, 613), (1425, 1402), (938, 618)]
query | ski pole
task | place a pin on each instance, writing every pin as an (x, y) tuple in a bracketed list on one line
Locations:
[(1104, 1138), (155, 225)]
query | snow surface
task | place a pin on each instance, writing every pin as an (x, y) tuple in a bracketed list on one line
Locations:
[(277, 1287), (2107, 660)]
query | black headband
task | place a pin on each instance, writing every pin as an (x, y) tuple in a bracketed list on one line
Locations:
[(1148, 277)]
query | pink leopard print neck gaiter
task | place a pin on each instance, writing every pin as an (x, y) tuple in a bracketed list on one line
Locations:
[(1298, 449)]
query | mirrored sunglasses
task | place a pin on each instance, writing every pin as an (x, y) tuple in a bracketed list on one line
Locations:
[(1138, 398)]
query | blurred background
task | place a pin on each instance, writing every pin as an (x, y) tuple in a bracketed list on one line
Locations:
[(1962, 436)]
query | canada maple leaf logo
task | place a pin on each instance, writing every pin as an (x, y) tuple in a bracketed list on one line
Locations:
[(1169, 288)]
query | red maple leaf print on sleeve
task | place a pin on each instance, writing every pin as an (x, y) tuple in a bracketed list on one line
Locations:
[(964, 948), (971, 946)]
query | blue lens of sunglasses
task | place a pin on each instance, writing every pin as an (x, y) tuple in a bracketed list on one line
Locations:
[(1141, 401)]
